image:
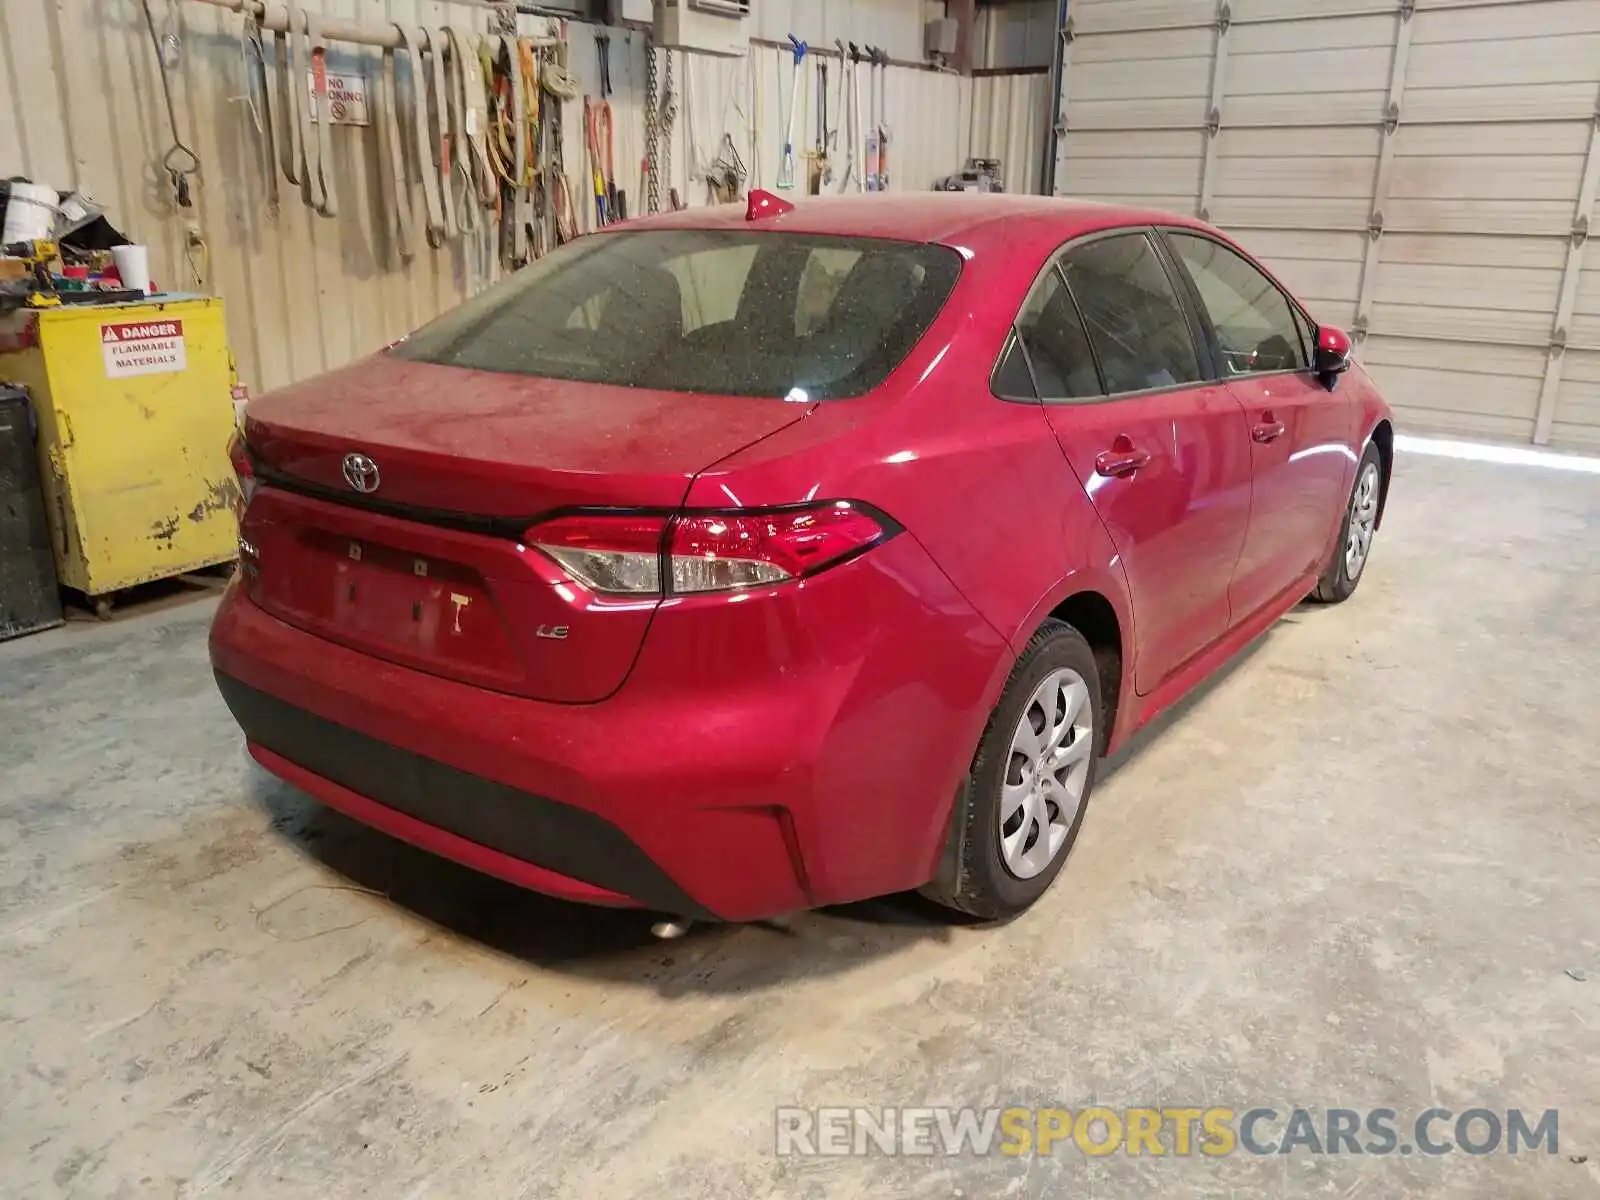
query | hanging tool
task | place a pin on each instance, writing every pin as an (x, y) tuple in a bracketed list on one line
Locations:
[(392, 159), (471, 126), (649, 178), (309, 165), (443, 160), (290, 98), (881, 62), (560, 203), (179, 162), (461, 132), (434, 231), (509, 143), (591, 142), (725, 175), (328, 204), (601, 135), (818, 170), (253, 50), (602, 45), (872, 119), (753, 120), (666, 118), (838, 113), (786, 162), (852, 121)]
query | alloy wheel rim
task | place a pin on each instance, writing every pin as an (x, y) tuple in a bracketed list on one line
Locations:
[(1047, 770), (1363, 520)]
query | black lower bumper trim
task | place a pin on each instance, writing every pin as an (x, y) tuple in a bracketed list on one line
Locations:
[(547, 833)]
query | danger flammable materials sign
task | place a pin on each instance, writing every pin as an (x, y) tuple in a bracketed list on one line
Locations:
[(143, 347)]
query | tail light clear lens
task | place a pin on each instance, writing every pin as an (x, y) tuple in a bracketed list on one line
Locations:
[(623, 554), (612, 553), (245, 469)]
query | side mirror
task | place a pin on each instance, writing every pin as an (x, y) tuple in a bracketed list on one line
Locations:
[(1333, 354)]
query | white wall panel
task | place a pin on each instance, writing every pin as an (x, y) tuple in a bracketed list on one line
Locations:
[(1585, 329), (1416, 177), (1009, 116), (306, 293), (1577, 420), (1095, 16), (1015, 35), (892, 25)]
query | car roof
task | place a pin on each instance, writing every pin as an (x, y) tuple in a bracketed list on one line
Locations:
[(949, 218)]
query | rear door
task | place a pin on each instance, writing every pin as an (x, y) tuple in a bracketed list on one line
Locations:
[(1161, 452), (1299, 430)]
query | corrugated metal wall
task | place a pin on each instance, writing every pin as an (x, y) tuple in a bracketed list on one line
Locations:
[(80, 107), (1010, 115), (1423, 173)]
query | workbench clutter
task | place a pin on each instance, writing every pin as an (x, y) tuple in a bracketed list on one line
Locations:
[(57, 249), (475, 118)]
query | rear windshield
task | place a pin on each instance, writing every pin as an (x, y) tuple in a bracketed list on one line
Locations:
[(785, 315)]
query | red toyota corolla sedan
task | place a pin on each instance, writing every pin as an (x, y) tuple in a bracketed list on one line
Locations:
[(737, 561)]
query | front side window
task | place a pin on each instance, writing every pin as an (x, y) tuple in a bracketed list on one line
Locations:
[(1256, 326), (791, 316), (1135, 323)]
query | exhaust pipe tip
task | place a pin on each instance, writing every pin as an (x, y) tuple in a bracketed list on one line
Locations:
[(669, 931)]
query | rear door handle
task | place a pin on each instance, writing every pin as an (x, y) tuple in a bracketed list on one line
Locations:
[(1120, 461), (1268, 431)]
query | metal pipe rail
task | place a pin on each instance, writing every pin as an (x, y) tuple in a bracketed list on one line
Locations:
[(275, 19)]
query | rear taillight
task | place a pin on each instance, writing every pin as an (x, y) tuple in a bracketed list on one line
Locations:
[(637, 554), (614, 553), (245, 469)]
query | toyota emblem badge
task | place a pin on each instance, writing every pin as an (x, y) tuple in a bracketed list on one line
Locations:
[(361, 473)]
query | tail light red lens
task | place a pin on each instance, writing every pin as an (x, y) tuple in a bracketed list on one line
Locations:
[(245, 469), (624, 554)]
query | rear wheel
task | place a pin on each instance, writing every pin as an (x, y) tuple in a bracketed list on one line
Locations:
[(1354, 546), (1023, 803)]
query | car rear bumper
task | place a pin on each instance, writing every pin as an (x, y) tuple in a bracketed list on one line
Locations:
[(526, 839), (814, 766)]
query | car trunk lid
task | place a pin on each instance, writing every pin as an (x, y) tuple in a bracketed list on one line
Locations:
[(427, 567)]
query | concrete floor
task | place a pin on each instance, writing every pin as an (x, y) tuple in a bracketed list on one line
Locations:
[(1354, 872)]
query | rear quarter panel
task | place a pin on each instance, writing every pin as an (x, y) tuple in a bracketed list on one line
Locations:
[(979, 483)]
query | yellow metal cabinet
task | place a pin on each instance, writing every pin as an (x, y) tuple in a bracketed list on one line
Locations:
[(135, 412)]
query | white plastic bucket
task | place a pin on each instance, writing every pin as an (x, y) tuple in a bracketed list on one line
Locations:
[(31, 214), (133, 264)]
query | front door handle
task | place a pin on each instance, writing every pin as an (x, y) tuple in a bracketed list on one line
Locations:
[(1122, 460), (1267, 431)]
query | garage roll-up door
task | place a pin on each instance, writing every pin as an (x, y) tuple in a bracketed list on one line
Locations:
[(1423, 174)]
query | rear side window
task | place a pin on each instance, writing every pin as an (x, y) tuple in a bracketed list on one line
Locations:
[(1138, 329), (1256, 327), (1051, 332), (791, 316)]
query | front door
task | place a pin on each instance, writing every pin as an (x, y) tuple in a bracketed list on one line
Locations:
[(1299, 431), (1162, 454)]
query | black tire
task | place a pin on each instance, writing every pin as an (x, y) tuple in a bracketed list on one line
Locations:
[(1337, 583), (973, 877)]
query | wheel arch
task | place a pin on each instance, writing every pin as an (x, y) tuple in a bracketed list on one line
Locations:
[(1383, 438), (1093, 615)]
